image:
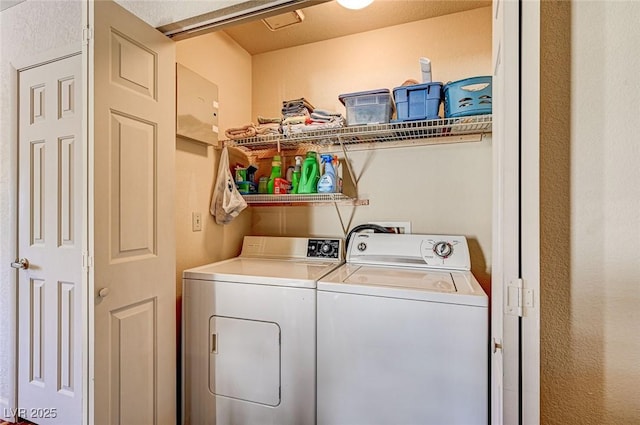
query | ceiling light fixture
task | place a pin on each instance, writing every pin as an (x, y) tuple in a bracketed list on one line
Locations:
[(355, 4)]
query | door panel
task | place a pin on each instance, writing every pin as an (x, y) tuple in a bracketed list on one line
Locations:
[(133, 375), (133, 70), (505, 326), (50, 222)]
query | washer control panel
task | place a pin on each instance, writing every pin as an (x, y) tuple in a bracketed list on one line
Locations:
[(323, 248), (449, 251), (413, 250)]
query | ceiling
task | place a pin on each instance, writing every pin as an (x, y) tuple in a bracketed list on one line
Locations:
[(330, 20), (324, 19)]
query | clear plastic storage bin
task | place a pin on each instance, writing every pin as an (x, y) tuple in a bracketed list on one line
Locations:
[(368, 107)]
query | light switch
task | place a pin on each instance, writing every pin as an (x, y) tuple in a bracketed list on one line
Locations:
[(196, 221)]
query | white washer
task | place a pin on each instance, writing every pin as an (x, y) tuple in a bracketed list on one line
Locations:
[(403, 334), (249, 333)]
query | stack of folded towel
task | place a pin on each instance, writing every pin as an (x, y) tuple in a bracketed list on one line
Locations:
[(298, 116), (265, 127), (243, 132), (295, 113), (268, 126), (322, 116), (318, 119), (296, 107)]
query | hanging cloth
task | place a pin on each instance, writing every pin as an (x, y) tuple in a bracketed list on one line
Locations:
[(227, 202)]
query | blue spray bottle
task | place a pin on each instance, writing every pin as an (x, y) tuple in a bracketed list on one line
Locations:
[(327, 183)]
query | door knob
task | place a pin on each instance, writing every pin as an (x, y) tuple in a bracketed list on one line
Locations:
[(102, 293), (22, 263)]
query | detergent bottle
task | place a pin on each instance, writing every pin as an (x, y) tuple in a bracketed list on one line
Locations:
[(295, 178), (327, 183), (309, 174), (276, 172)]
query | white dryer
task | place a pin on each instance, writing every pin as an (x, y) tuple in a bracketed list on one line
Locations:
[(249, 333), (403, 334)]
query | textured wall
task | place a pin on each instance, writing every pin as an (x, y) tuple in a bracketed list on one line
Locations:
[(590, 221), (26, 29)]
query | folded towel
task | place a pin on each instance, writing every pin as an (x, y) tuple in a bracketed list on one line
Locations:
[(267, 129), (266, 120), (296, 107), (325, 113), (243, 132), (293, 129), (302, 102), (296, 119)]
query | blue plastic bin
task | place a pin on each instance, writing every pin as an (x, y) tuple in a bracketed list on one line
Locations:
[(471, 96), (418, 102)]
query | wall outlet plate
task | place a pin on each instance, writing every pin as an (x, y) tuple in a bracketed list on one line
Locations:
[(403, 227), (196, 221)]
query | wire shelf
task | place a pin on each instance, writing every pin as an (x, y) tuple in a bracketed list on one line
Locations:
[(302, 199), (378, 134)]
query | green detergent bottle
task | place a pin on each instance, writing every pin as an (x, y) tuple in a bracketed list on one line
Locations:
[(276, 171), (295, 178), (310, 174)]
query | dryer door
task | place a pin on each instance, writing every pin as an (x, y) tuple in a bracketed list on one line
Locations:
[(244, 359)]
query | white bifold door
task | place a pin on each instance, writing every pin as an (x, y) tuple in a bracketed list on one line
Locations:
[(131, 220)]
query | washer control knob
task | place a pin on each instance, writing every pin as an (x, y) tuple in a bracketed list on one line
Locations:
[(443, 249)]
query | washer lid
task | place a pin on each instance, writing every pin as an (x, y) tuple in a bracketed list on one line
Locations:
[(403, 279), (446, 286), (279, 272)]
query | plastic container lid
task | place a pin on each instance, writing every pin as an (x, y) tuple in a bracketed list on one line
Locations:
[(420, 86), (343, 96)]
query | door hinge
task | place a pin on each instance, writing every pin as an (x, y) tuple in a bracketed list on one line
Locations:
[(497, 345), (518, 298), (87, 34), (87, 261)]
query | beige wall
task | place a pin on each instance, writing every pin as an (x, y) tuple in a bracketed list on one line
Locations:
[(590, 213), (458, 198), (219, 59)]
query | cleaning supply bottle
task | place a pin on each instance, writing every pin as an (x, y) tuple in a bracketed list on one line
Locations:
[(327, 183), (425, 67), (309, 174), (276, 171), (295, 178)]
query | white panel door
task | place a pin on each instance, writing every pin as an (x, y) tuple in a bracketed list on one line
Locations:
[(50, 239), (132, 143)]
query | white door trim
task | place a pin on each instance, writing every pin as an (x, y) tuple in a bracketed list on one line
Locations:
[(87, 214), (31, 61)]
